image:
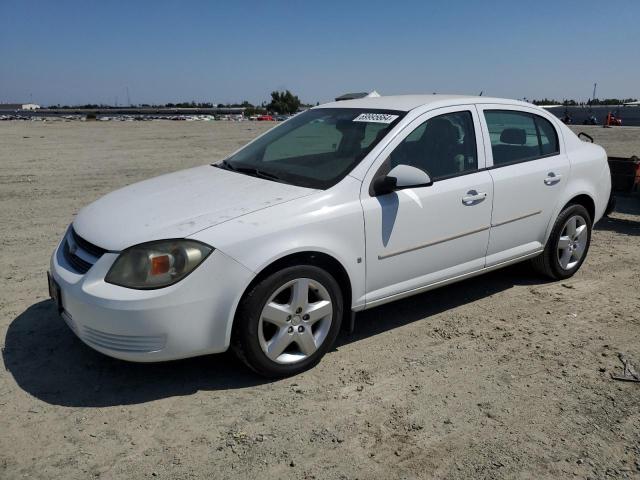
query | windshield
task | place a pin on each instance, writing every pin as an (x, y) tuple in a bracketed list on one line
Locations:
[(316, 148)]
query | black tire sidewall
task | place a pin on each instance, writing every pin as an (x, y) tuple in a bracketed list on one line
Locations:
[(248, 317), (552, 245)]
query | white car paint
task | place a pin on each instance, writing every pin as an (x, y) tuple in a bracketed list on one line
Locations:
[(425, 216), (523, 204), (426, 239), (177, 205)]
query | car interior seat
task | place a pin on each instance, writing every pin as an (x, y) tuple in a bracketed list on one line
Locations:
[(513, 146), (352, 135), (438, 147)]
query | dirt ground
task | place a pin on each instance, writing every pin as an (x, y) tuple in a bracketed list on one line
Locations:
[(501, 376)]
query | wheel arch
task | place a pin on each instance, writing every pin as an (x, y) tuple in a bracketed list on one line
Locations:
[(586, 201), (579, 198), (308, 257)]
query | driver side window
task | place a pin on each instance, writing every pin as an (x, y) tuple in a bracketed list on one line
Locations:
[(443, 146)]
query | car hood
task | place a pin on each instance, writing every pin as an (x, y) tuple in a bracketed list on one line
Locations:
[(177, 205)]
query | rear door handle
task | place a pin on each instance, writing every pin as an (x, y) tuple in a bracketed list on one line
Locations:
[(473, 197), (552, 178)]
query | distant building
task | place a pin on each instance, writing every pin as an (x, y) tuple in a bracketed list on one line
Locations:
[(353, 96), (19, 106), (229, 110)]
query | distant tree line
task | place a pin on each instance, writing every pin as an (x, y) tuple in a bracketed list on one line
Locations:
[(281, 103), (287, 103), (249, 108), (284, 102), (573, 103)]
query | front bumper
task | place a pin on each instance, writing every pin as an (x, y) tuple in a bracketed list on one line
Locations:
[(192, 317)]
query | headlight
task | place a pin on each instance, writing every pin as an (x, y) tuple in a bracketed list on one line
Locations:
[(157, 264)]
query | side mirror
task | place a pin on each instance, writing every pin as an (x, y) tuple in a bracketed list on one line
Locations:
[(409, 177), (384, 185), (400, 177)]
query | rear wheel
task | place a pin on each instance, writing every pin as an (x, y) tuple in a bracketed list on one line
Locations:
[(568, 244), (288, 321)]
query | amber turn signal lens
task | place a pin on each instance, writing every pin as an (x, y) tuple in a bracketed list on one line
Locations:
[(160, 265)]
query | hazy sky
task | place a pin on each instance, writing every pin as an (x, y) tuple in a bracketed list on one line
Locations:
[(75, 52)]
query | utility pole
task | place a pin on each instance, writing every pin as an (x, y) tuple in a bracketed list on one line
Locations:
[(128, 98)]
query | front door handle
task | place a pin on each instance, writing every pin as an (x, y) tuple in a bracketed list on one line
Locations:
[(552, 178), (473, 197)]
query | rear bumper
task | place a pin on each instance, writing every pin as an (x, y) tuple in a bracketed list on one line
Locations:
[(192, 317), (606, 200)]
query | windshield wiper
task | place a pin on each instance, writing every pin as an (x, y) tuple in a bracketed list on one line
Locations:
[(224, 165), (254, 172)]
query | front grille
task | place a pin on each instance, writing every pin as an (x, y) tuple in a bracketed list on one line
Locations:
[(124, 343), (79, 253), (77, 263), (88, 247)]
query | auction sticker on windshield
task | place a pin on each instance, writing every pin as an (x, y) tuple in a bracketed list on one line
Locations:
[(375, 118)]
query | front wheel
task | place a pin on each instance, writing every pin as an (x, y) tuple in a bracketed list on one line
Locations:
[(568, 244), (287, 321)]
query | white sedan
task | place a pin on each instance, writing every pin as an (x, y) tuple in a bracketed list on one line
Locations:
[(344, 207)]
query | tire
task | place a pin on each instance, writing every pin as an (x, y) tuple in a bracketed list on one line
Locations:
[(557, 262), (278, 330)]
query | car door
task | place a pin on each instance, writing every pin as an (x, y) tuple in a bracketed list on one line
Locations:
[(421, 236), (530, 169)]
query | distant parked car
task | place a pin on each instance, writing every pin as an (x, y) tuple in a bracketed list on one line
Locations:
[(265, 118), (344, 207)]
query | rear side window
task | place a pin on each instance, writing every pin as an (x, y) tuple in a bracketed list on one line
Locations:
[(519, 136), (443, 146), (548, 136)]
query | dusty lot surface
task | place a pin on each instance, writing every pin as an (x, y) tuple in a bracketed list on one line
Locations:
[(618, 142), (503, 376)]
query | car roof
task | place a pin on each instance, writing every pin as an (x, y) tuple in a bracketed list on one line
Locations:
[(409, 102)]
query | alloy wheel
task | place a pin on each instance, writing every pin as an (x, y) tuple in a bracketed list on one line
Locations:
[(572, 242), (295, 321)]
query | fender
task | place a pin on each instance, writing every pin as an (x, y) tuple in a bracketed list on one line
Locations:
[(594, 186), (357, 299), (328, 222)]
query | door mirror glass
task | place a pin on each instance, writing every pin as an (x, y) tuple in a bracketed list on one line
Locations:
[(407, 176)]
